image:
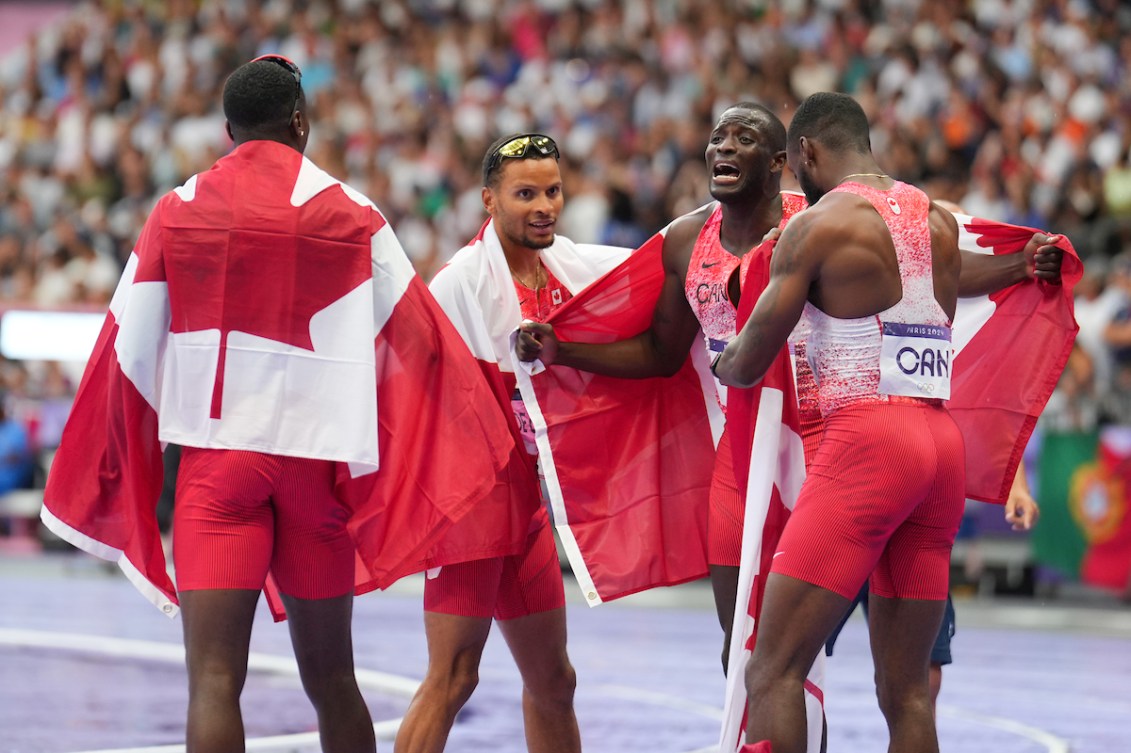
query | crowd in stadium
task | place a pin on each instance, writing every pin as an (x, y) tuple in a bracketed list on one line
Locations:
[(1018, 110)]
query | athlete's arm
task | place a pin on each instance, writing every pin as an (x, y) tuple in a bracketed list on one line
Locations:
[(982, 274), (658, 351), (793, 267)]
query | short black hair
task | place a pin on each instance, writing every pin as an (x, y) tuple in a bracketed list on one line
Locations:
[(260, 97), (774, 128), (492, 168), (836, 120)]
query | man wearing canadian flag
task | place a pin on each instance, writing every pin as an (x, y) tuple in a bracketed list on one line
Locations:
[(269, 323)]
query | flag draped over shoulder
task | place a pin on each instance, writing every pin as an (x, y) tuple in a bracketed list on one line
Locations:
[(476, 291), (1010, 349), (319, 342), (769, 464), (627, 462)]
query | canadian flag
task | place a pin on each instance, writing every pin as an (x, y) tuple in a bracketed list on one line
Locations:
[(598, 518), (1010, 349), (627, 462), (769, 465), (269, 307)]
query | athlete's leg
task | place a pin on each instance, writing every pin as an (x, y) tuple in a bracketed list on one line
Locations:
[(940, 652), (797, 617), (724, 539), (902, 633), (538, 644), (217, 629), (455, 647), (531, 616), (724, 584), (222, 532), (320, 633)]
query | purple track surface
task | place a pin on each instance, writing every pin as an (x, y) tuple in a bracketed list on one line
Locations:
[(1027, 677)]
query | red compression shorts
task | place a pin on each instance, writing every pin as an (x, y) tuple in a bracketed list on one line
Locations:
[(505, 588), (884, 495), (241, 514), (725, 511)]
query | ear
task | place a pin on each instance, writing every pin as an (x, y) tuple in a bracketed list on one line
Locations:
[(299, 125), (228, 129), (488, 200), (806, 150), (777, 162)]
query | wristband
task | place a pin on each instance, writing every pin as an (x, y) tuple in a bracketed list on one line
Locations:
[(715, 363)]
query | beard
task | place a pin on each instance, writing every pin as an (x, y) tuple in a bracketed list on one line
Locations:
[(812, 193), (526, 240)]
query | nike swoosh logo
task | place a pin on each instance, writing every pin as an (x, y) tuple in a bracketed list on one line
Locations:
[(709, 265), (776, 555)]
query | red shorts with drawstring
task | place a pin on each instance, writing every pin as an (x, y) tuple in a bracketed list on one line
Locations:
[(505, 588), (239, 515), (884, 495)]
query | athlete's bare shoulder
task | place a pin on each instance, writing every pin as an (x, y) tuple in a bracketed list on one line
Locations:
[(680, 239), (835, 216), (941, 221)]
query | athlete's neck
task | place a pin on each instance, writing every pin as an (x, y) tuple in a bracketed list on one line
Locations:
[(743, 225), (862, 170), (525, 265)]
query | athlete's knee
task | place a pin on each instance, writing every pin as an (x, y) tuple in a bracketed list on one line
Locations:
[(332, 689), (216, 679), (453, 682), (555, 685), (765, 674), (899, 700)]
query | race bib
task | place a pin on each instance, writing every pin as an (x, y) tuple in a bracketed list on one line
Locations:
[(915, 360), (525, 425), (715, 347)]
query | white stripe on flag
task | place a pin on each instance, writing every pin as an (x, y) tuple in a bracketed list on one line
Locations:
[(523, 372)]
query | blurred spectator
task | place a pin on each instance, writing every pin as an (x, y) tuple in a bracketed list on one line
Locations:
[(17, 466)]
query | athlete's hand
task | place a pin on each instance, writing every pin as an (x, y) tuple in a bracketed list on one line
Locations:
[(536, 340), (772, 235), (1043, 258), (1021, 510)]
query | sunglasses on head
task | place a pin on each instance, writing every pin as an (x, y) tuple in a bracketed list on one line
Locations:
[(291, 68), (520, 147)]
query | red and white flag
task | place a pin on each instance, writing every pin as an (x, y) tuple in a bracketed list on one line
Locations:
[(1010, 349), (318, 341), (769, 466), (627, 462)]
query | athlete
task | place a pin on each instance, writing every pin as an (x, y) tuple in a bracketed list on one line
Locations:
[(874, 268), (517, 268)]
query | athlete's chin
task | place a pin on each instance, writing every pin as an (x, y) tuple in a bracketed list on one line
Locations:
[(723, 192), (540, 240)]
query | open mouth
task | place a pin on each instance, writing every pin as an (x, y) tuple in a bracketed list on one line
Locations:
[(725, 172)]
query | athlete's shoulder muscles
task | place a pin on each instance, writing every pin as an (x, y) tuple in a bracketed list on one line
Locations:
[(802, 245), (680, 240), (944, 234)]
